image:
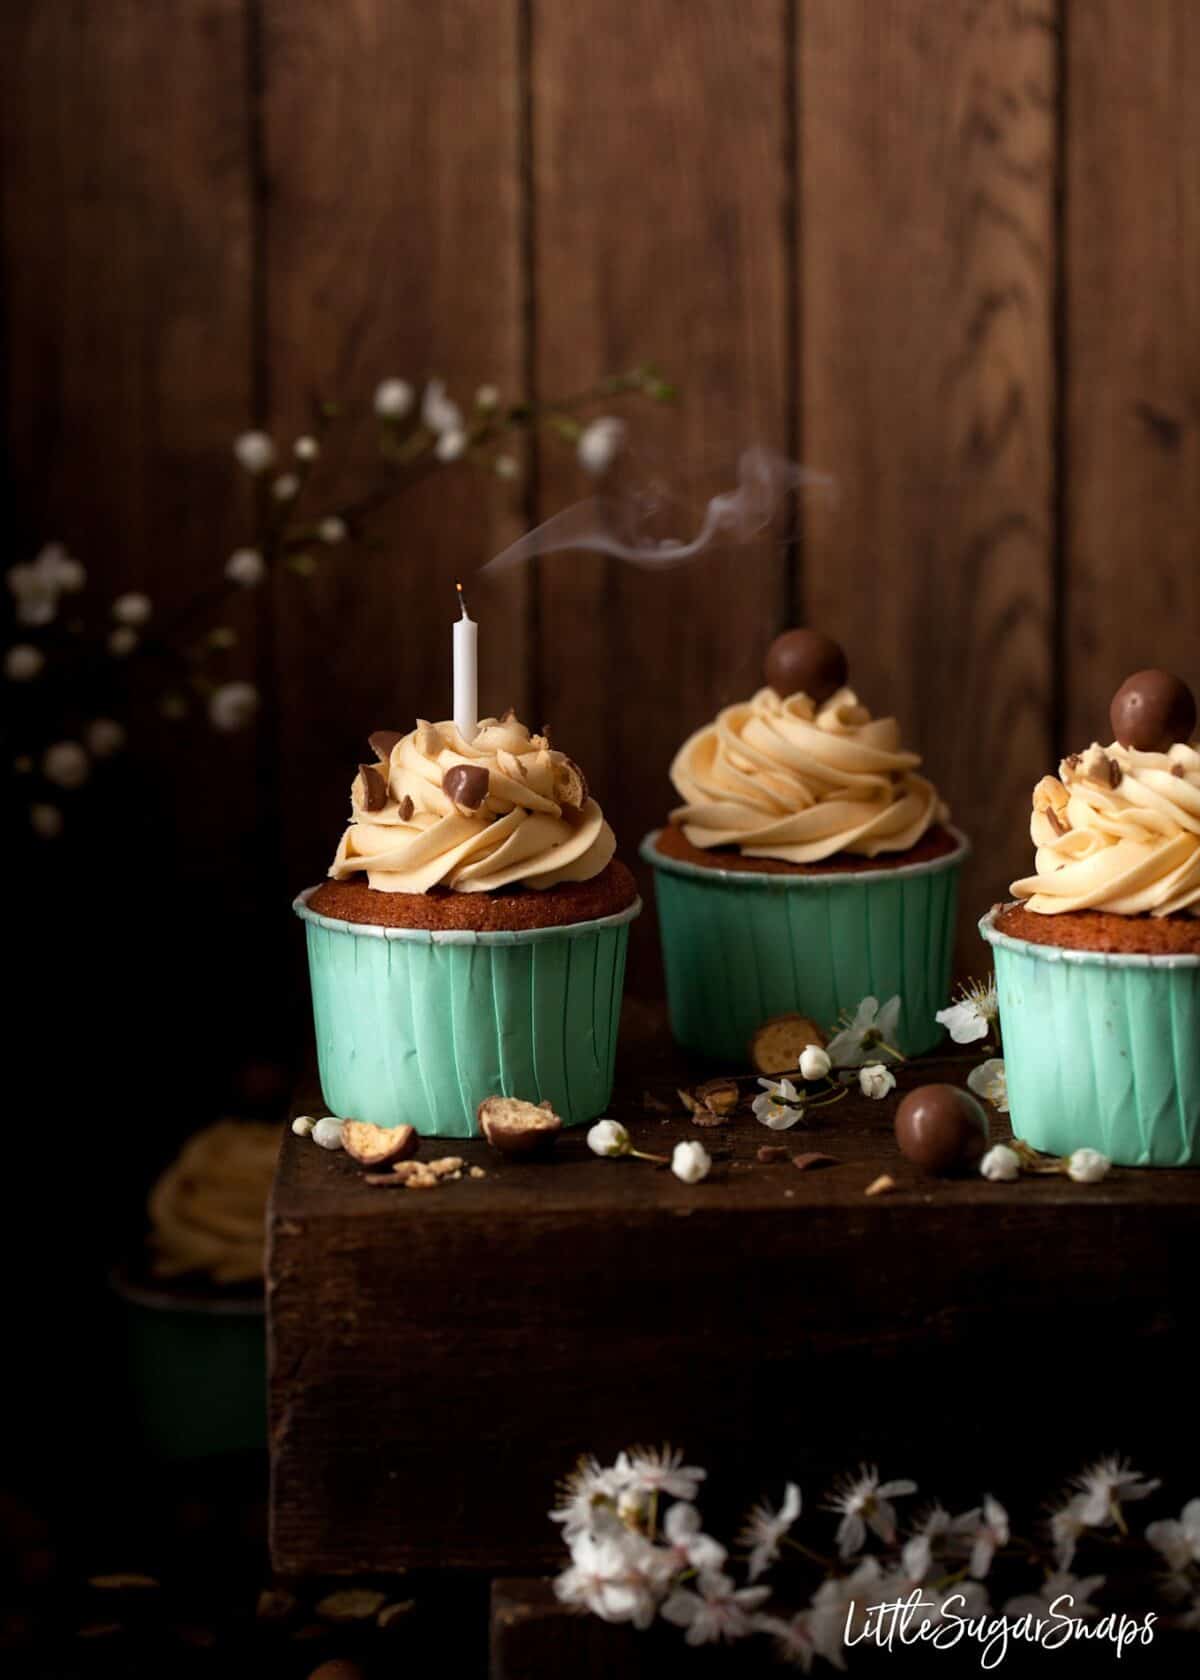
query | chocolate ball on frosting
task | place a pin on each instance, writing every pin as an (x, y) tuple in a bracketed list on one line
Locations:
[(1152, 710), (941, 1128), (466, 785), (805, 662)]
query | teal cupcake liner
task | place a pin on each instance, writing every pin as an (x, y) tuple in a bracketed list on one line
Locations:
[(741, 947), (418, 1026), (1101, 1049)]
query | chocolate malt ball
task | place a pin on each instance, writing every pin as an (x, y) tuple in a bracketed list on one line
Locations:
[(805, 662), (1152, 710), (941, 1128)]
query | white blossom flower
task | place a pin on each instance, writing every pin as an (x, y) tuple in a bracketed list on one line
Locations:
[(46, 821), (987, 1530), (660, 1471), (1001, 1164), (232, 706), (332, 530), (1105, 1486), (66, 764), (285, 487), (254, 451), (1066, 1526), (306, 448), (589, 1487), (451, 444), (1061, 1593), (917, 1553), (1088, 1166), (600, 1579), (608, 1137), (814, 1062), (779, 1105), (690, 1161), (990, 1081), (104, 737), (717, 1611), (690, 1547), (122, 641), (765, 1528), (23, 662), (487, 396), (1178, 1541), (37, 585), (971, 1016), (393, 399), (245, 566), (872, 1027), (794, 1642), (600, 444), (328, 1132), (864, 1502), (876, 1081), (438, 413), (132, 608), (841, 1599), (506, 466)]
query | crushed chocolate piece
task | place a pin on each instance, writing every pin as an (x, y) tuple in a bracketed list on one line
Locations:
[(720, 1097), (476, 1172), (378, 1146), (384, 1181), (570, 784), (382, 742), (813, 1158), (374, 787), (687, 1099), (406, 808), (422, 1181), (880, 1186), (1073, 760), (776, 1046), (1115, 773), (770, 1154), (1177, 770), (517, 1128), (466, 785), (446, 1166)]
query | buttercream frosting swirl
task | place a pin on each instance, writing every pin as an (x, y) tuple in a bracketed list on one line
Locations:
[(1117, 830), (504, 808), (784, 778), (208, 1210)]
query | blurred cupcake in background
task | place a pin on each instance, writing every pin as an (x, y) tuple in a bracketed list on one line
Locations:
[(810, 865), (1098, 957)]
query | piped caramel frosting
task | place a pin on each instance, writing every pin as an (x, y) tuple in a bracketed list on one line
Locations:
[(784, 778), (1117, 830), (502, 809), (208, 1210)]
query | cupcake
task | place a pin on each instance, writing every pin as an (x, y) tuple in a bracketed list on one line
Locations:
[(1098, 957), (470, 941), (809, 866)]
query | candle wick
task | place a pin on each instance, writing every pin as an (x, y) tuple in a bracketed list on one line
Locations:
[(462, 600)]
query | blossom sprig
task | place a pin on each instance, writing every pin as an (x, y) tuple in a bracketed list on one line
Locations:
[(639, 1553), (81, 668), (1007, 1161)]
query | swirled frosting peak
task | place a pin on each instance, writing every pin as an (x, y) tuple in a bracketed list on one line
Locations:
[(1119, 830), (780, 777), (436, 810)]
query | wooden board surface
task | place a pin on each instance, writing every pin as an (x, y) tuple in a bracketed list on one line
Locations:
[(1132, 324), (927, 245), (766, 1319)]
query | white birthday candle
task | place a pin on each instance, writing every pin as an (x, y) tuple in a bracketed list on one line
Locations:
[(466, 673)]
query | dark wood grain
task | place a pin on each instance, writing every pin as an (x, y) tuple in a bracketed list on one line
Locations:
[(926, 207), (392, 250), (127, 219), (1132, 320), (768, 1319), (659, 180)]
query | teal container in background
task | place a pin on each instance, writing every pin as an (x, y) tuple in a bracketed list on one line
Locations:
[(417, 1027), (740, 947), (1101, 1050), (197, 1369)]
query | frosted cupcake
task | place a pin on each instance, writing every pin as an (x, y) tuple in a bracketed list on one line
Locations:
[(810, 865), (1098, 958), (471, 938)]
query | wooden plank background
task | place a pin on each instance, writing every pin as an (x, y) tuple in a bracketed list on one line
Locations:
[(949, 254)]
